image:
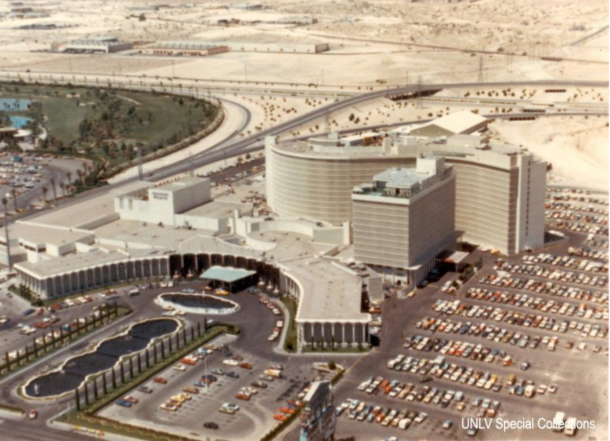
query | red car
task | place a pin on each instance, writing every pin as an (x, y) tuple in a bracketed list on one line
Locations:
[(33, 414), (160, 380)]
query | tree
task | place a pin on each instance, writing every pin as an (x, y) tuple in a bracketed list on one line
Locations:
[(69, 175), (54, 189), (8, 247), (14, 195)]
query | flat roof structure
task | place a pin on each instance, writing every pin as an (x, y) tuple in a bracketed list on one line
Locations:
[(226, 274), (72, 263), (186, 44), (456, 123), (329, 290), (216, 210), (43, 234)]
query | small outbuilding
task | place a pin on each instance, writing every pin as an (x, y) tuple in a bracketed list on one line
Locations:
[(458, 123)]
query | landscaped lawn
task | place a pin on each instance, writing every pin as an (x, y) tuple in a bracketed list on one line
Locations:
[(110, 123)]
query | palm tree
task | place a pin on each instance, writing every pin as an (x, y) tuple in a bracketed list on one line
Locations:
[(14, 194), (45, 189), (80, 174), (8, 248), (69, 175), (63, 188), (54, 189)]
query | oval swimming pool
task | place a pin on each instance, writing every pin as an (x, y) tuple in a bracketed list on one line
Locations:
[(198, 303)]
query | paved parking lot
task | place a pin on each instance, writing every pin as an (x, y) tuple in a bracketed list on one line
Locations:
[(255, 417), (581, 376)]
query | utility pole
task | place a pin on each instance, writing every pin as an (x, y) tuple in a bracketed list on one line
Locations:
[(419, 92), (6, 237), (140, 168), (480, 77)]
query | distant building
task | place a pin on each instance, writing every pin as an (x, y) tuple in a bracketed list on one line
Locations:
[(186, 48), (104, 45), (297, 48), (7, 133), (458, 123), (405, 217), (248, 6), (318, 419)]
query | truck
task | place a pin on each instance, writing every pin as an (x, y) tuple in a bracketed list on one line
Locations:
[(570, 427), (559, 421), (134, 292)]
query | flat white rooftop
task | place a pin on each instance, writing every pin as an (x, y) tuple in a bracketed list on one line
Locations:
[(330, 291)]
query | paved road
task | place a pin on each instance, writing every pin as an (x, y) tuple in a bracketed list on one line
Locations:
[(587, 37), (458, 49)]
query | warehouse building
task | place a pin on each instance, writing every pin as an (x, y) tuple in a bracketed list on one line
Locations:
[(405, 217), (277, 48), (185, 48), (105, 45), (499, 188)]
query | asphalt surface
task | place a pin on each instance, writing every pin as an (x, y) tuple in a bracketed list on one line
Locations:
[(581, 377)]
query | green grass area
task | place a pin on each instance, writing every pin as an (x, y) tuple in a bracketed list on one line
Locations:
[(290, 343), (109, 123), (87, 419)]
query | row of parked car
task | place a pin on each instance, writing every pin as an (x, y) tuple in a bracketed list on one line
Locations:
[(551, 273), (489, 331), (574, 194), (589, 253), (537, 303), (580, 227), (577, 216), (386, 416), (550, 288), (475, 352), (517, 318), (568, 261), (567, 205), (269, 304), (442, 369), (410, 392)]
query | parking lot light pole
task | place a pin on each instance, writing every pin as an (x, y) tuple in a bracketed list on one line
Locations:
[(6, 237)]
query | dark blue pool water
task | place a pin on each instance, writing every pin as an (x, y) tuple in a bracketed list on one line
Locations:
[(104, 357), (197, 301)]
